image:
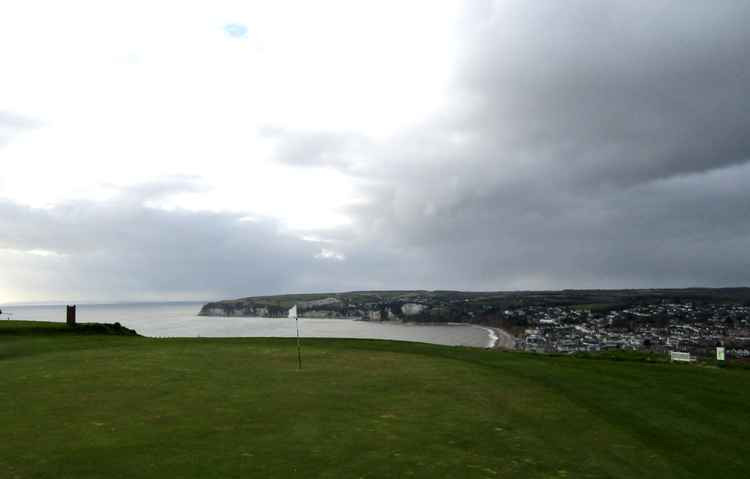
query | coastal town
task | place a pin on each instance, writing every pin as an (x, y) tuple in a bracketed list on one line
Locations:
[(694, 321), (660, 327)]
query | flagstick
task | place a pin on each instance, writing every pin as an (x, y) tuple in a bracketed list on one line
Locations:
[(299, 354)]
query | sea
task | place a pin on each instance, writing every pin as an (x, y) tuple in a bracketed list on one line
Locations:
[(181, 320)]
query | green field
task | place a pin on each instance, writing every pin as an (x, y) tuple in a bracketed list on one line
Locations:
[(95, 405)]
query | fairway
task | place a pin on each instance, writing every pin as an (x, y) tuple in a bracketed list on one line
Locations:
[(96, 405)]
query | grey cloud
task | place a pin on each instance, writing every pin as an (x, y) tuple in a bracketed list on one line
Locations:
[(619, 92), (622, 92), (315, 148), (122, 249), (679, 232), (588, 144)]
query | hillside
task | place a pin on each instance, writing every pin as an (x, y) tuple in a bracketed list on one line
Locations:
[(457, 306), (86, 406)]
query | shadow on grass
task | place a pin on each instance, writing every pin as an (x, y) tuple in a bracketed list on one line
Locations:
[(39, 328), (30, 338)]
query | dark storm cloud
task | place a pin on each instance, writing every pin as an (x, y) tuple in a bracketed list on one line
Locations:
[(681, 232), (587, 144), (614, 91)]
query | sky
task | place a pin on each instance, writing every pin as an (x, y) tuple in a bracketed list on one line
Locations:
[(181, 150)]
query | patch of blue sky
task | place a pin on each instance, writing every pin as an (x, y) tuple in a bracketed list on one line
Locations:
[(235, 30)]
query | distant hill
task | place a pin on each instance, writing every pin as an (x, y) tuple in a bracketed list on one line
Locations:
[(458, 306)]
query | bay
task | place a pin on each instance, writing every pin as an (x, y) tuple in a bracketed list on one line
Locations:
[(182, 320)]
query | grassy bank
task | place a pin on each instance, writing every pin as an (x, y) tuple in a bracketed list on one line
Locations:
[(103, 405)]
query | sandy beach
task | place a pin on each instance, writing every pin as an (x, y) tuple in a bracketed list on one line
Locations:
[(499, 338)]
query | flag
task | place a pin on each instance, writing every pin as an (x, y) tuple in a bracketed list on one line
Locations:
[(293, 315)]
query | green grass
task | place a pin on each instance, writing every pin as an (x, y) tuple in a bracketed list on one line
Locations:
[(84, 406)]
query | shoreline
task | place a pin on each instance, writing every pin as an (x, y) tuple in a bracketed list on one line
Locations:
[(493, 336), (498, 338)]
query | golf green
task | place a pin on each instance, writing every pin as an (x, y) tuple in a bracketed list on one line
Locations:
[(104, 405)]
